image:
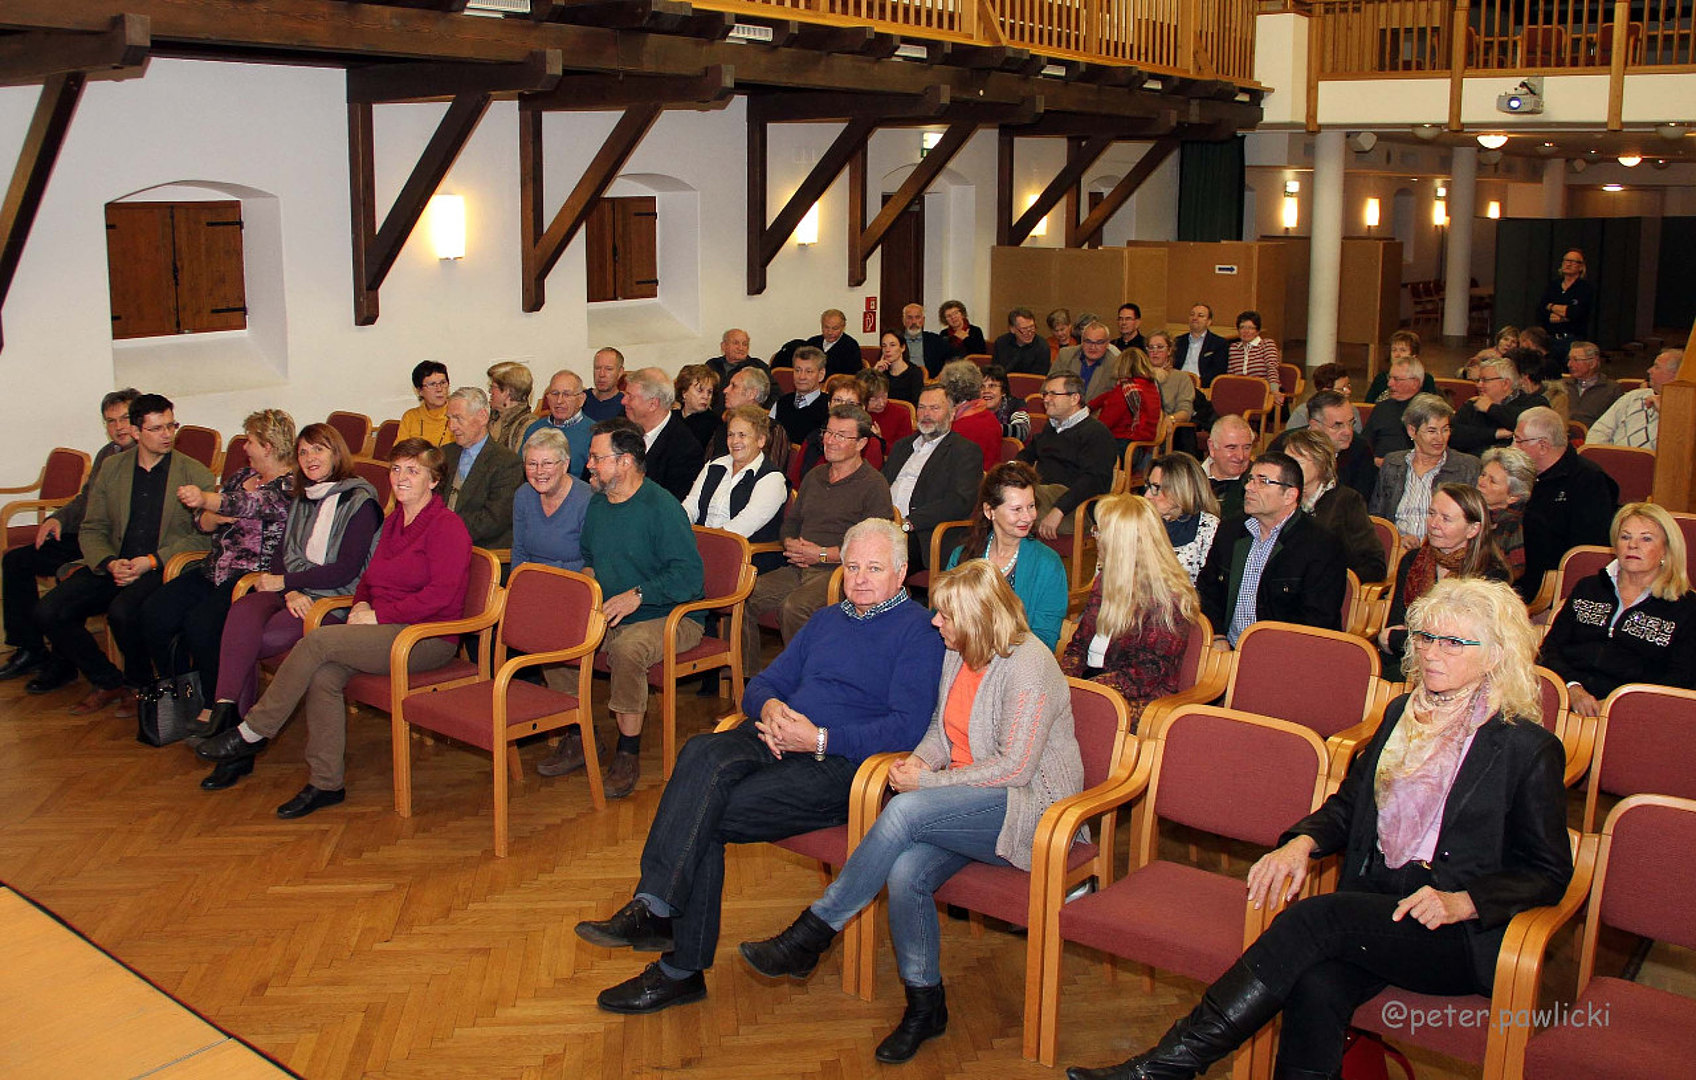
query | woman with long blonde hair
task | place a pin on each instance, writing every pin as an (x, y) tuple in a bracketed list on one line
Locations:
[(1133, 630)]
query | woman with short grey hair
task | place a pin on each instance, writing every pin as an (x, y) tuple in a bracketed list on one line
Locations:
[(1408, 477), (1505, 481)]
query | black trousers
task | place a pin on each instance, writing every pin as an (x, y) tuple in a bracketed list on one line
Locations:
[(62, 615), (728, 789), (194, 608), (1327, 955), (19, 569)]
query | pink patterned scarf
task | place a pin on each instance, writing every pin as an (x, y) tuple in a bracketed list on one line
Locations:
[(1419, 765)]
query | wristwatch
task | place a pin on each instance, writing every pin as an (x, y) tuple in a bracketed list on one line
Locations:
[(818, 748), (638, 591)]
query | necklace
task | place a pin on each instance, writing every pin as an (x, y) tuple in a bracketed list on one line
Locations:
[(1007, 570), (1446, 696)]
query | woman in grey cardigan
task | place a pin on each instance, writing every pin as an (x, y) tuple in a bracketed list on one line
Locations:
[(1000, 751)]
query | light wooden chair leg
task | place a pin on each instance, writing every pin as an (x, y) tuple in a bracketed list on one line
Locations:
[(401, 747), (668, 727), (515, 766), (500, 801), (591, 760)]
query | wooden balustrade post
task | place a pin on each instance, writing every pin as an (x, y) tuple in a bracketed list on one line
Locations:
[(1315, 60), (1189, 33), (1616, 65), (1457, 61)]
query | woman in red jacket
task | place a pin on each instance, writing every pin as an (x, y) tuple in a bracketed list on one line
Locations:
[(1131, 410), (418, 573)]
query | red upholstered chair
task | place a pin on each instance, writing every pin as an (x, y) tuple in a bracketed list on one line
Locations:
[(897, 421), (1010, 448), (200, 443), (383, 442), (1221, 771), (1266, 679), (353, 427), (784, 377), (1576, 733), (729, 579), (1244, 395), (376, 473), (1203, 675), (1078, 547), (1022, 384), (1605, 44), (234, 459), (1576, 565), (947, 536), (1645, 741), (1290, 382), (62, 476), (1391, 538), (1458, 391), (1644, 884), (552, 616), (1632, 467)]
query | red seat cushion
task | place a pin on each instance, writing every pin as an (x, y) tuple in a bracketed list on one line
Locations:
[(829, 846), (466, 712), (1443, 1031), (1618, 1030), (373, 690), (1001, 892), (1174, 917)]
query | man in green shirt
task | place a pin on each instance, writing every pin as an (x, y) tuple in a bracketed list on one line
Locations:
[(638, 544)]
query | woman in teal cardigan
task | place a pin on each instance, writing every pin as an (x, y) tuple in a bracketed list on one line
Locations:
[(1002, 534)]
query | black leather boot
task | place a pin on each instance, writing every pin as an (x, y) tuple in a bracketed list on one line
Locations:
[(1236, 1006), (795, 952), (926, 1017)]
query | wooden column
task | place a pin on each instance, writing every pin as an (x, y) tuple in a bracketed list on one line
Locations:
[(1675, 446)]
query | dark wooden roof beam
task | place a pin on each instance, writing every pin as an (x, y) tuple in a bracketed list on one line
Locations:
[(43, 140), (425, 81), (712, 88), (421, 5), (1080, 156), (1155, 156), (838, 39), (765, 241), (887, 109), (1135, 126), (986, 57), (1124, 76), (862, 244), (34, 57)]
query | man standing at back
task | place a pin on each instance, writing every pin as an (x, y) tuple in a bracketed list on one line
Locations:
[(55, 545)]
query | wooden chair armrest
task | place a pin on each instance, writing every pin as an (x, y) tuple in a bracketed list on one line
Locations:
[(180, 562), (1545, 595), (321, 609), (744, 587), (24, 506), (502, 555), (246, 584), (865, 799), (20, 489), (1061, 821), (765, 546), (1208, 689), (1581, 746), (730, 721), (595, 631), (401, 651)]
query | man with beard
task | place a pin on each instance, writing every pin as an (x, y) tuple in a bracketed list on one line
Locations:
[(933, 473)]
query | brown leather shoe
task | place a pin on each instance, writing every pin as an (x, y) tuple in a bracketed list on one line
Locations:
[(99, 699), (567, 756), (622, 774)]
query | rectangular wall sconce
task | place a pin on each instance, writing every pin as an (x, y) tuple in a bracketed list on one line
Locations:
[(1439, 213), (807, 232), (1493, 210), (1041, 227), (447, 226), (1371, 213), (1292, 213)]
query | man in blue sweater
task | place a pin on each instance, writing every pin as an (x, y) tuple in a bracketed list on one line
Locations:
[(859, 679)]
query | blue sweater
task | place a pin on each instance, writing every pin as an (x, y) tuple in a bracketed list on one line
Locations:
[(872, 682), (576, 436), (551, 541), (1039, 581)]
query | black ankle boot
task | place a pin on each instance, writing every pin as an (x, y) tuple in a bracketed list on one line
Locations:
[(1236, 1006), (223, 718), (795, 952), (926, 1017)]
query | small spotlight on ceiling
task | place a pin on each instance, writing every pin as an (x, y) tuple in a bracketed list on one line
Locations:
[(1631, 161), (1492, 142)]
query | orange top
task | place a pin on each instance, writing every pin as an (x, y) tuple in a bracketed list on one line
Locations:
[(957, 715)]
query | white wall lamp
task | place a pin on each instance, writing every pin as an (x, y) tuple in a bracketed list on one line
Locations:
[(1440, 208), (1041, 227), (447, 226), (1292, 210), (1493, 210), (807, 232), (1372, 210)]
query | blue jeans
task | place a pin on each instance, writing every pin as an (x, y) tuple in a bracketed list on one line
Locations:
[(919, 841)]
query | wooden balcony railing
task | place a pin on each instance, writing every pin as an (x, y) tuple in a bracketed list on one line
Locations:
[(1413, 37), (1203, 38)]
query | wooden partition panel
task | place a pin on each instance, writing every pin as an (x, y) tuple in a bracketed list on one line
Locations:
[(1043, 279)]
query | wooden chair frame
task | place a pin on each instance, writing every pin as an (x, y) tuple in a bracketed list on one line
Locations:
[(1592, 740), (41, 507)]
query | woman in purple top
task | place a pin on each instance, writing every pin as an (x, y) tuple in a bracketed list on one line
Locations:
[(184, 620), (332, 525), (418, 573)]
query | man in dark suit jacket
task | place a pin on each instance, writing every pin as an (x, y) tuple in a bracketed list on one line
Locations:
[(841, 352), (924, 343), (733, 357), (1201, 350), (933, 474), (1572, 502), (1274, 562), (675, 456), (482, 475)]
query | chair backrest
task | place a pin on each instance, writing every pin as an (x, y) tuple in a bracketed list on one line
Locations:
[(1022, 384), (376, 474), (1645, 880), (1645, 743), (353, 427), (1628, 385), (723, 555), (784, 377), (1458, 391), (1238, 394), (235, 458), (1579, 563), (548, 608), (1687, 526), (388, 433), (944, 538), (1196, 649), (1290, 381), (1100, 723), (1555, 700), (1390, 538), (482, 583), (62, 476), (1632, 467), (1633, 43), (1265, 676), (869, 355), (1010, 448), (199, 443), (1351, 597), (1234, 774), (897, 421), (1364, 411)]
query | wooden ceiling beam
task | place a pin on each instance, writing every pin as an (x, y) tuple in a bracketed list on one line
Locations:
[(862, 244), (838, 106), (375, 249), (1080, 156), (34, 57), (43, 140), (425, 81), (661, 16), (712, 88), (422, 5), (542, 249), (1077, 124), (765, 241), (1155, 156)]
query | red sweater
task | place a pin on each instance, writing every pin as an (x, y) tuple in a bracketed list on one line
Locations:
[(1112, 409), (420, 571), (975, 422)]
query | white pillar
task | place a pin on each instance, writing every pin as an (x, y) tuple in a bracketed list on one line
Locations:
[(1325, 259), (1457, 273), (1554, 188)]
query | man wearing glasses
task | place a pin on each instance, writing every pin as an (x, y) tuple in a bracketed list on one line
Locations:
[(1565, 308), (1488, 419), (1274, 562), (134, 526), (1093, 362), (1074, 453), (1384, 428), (1572, 502), (565, 415)]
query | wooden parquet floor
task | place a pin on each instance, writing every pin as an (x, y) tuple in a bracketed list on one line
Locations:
[(355, 943)]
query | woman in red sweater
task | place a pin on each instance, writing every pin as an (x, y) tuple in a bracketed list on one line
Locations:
[(1131, 410), (418, 573)]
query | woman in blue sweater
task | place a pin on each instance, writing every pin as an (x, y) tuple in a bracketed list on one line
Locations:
[(1002, 534), (547, 512)]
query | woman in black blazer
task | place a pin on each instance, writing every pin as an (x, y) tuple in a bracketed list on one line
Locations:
[(1451, 822)]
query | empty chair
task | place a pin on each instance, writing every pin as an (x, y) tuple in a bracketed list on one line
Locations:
[(234, 459), (383, 442), (376, 474), (1244, 395), (548, 615), (62, 476), (200, 443), (354, 428), (1633, 468), (1645, 741), (1273, 674)]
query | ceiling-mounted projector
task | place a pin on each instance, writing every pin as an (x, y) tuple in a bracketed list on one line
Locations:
[(1522, 100)]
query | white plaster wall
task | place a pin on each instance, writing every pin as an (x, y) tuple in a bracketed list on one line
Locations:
[(1280, 61)]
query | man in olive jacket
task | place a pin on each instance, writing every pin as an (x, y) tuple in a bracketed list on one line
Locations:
[(134, 526)]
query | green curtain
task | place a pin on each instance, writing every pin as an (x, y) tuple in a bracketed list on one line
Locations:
[(1210, 190)]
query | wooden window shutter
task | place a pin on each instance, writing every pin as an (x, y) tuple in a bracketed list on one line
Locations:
[(599, 252), (211, 289), (139, 258), (635, 252)]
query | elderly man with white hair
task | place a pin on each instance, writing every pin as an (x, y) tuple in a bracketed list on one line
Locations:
[(814, 717), (675, 456), (482, 475), (1572, 503)]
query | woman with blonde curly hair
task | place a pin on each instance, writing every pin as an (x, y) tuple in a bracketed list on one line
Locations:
[(1132, 632), (1429, 882), (1000, 751)]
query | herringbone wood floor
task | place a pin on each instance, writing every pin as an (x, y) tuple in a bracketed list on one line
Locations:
[(356, 943)]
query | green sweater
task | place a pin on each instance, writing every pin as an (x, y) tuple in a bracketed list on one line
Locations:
[(644, 540)]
